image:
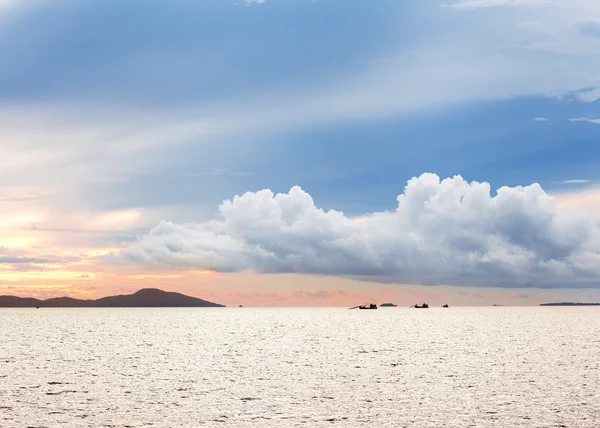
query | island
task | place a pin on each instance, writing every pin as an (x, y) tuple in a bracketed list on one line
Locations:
[(144, 298), (383, 305), (570, 304)]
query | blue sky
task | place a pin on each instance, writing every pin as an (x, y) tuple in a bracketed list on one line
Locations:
[(337, 98), (160, 110)]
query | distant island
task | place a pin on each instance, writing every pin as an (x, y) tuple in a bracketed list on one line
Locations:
[(570, 304), (383, 305), (144, 298)]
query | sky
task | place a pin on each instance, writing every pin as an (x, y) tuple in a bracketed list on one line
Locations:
[(301, 152)]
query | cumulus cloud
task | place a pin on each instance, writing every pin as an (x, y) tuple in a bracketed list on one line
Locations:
[(442, 232)]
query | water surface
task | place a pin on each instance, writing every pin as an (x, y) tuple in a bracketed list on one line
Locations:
[(244, 367)]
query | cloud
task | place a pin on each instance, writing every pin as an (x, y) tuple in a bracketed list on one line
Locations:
[(7, 2), (16, 260), (77, 134), (476, 4), (321, 294), (590, 29), (588, 96), (594, 120), (541, 119), (28, 267), (331, 74), (576, 181), (585, 200), (442, 232)]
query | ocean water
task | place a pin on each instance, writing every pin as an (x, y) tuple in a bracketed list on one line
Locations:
[(245, 367)]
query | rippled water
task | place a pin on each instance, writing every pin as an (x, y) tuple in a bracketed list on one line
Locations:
[(243, 367)]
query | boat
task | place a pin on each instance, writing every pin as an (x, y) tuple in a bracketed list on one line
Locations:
[(445, 306), (386, 305), (371, 306), (423, 306)]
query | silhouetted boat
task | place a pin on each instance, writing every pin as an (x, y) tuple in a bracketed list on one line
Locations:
[(371, 306), (444, 306), (423, 306)]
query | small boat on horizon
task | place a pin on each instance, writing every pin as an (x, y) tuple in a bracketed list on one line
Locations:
[(423, 306), (370, 306), (445, 306)]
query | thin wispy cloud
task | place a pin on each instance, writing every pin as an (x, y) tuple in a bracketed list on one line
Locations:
[(594, 120), (576, 181), (541, 119), (477, 4), (17, 260)]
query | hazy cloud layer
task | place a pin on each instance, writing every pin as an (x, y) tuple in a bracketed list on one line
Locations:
[(442, 232)]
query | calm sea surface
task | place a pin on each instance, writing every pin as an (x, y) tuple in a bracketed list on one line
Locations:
[(242, 367)]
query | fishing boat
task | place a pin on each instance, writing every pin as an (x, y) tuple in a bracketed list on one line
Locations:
[(423, 306), (371, 306), (445, 306)]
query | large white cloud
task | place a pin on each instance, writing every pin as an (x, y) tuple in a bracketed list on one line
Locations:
[(442, 232)]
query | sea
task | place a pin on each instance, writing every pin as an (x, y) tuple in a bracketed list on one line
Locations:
[(300, 367)]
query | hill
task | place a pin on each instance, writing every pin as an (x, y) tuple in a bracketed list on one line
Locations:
[(144, 298)]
